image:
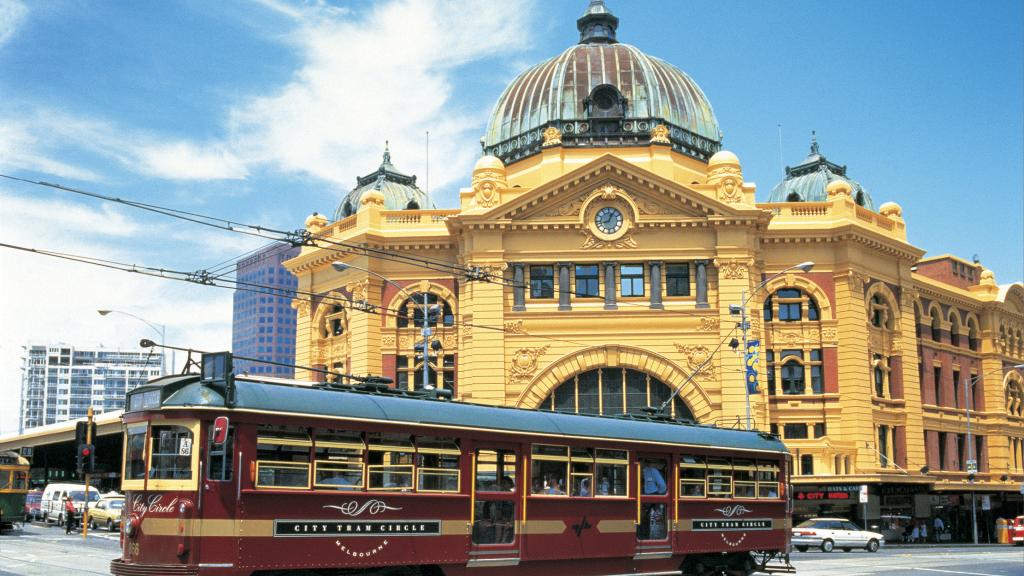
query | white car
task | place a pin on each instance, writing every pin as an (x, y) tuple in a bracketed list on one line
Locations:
[(831, 533)]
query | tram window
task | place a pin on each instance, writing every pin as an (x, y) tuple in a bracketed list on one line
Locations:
[(135, 453), (495, 471), (767, 480), (171, 453), (692, 477), (5, 479), (612, 472), (218, 467), (653, 522), (719, 478), (744, 479), (493, 522), (20, 480), (390, 463), (550, 469), (581, 475), (437, 467), (339, 460), (282, 458)]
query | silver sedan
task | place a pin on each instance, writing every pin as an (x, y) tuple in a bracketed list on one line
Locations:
[(831, 533)]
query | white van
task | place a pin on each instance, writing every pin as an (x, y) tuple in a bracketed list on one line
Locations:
[(52, 505)]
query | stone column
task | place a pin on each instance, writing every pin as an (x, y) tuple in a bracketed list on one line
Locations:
[(609, 286), (519, 290), (702, 283), (563, 286), (656, 285)]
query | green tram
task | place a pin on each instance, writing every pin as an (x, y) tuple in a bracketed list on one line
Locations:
[(13, 488)]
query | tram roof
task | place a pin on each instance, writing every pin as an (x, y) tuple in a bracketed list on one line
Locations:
[(351, 403)]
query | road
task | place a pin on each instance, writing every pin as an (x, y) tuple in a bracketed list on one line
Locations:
[(42, 551)]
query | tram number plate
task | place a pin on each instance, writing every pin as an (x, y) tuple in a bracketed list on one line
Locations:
[(716, 524), (335, 528)]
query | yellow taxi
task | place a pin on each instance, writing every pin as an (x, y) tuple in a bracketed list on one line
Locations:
[(106, 513)]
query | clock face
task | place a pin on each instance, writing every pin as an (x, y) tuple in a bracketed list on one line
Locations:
[(608, 220)]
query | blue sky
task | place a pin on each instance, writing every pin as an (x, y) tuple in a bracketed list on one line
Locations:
[(267, 110)]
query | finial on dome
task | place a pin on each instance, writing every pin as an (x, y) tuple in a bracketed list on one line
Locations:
[(597, 25), (814, 144), (387, 152)]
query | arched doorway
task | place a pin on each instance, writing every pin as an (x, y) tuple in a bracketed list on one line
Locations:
[(613, 391)]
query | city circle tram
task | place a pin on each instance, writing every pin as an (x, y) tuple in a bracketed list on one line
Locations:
[(235, 475), (13, 488)]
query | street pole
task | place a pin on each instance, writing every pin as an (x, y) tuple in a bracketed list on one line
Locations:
[(744, 326), (85, 505), (972, 381), (160, 329)]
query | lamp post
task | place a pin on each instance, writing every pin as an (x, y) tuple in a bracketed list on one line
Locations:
[(745, 325), (426, 332), (971, 383), (160, 329)]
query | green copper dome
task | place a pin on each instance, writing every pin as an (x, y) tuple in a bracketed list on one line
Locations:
[(399, 189), (600, 93), (807, 181)]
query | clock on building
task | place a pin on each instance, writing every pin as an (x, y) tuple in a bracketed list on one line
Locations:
[(608, 220)]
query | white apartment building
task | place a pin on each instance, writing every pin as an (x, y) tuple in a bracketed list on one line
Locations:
[(60, 381)]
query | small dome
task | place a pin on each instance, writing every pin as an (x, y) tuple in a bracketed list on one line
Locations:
[(808, 181), (600, 93), (838, 188), (489, 163), (314, 222), (399, 190), (891, 210), (723, 157)]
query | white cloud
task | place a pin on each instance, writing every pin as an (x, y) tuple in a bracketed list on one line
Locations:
[(187, 161), (12, 14), (20, 149), (387, 75)]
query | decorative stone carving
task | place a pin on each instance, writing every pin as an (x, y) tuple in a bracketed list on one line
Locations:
[(829, 335), (908, 295), (594, 243), (523, 365), (709, 324), (301, 307), (648, 207), (696, 356), (792, 338), (610, 192), (489, 182), (733, 269), (448, 342), (405, 342), (388, 340), (552, 137), (515, 327), (856, 281), (358, 290), (659, 135), (726, 176), (494, 269), (315, 223)]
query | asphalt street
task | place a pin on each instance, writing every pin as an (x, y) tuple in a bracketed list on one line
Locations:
[(41, 551)]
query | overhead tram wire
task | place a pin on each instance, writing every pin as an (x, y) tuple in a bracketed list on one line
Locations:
[(293, 237), (302, 295)]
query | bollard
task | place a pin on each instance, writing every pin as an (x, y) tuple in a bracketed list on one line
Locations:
[(1002, 531)]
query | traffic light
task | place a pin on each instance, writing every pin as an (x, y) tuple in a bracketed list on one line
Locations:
[(81, 431), (85, 461)]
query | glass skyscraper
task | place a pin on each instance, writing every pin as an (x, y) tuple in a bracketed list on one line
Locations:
[(263, 320)]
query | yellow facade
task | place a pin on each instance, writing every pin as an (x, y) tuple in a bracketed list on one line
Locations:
[(853, 352)]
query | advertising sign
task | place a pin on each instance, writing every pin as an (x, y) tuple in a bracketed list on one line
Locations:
[(863, 493), (753, 357)]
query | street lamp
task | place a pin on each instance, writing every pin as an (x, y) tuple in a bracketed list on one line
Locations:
[(159, 328), (971, 461), (741, 309), (427, 309)]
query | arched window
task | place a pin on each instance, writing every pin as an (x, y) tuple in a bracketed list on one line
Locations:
[(790, 304), (794, 368), (412, 309), (333, 323), (346, 210), (859, 198), (954, 329), (605, 101), (880, 312), (793, 197), (972, 334), (1015, 399), (881, 377), (613, 391), (936, 326), (412, 205)]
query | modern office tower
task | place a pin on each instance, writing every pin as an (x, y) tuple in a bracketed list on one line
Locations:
[(60, 381), (263, 319)]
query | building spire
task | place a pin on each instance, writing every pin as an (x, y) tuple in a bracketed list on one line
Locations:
[(814, 144), (597, 25), (387, 153)]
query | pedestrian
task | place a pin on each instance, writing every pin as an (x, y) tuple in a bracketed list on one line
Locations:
[(915, 534), (924, 531), (69, 515), (939, 526)]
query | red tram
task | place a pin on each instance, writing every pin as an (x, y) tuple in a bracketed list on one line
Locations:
[(245, 476)]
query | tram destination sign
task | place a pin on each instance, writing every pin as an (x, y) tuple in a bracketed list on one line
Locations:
[(335, 528), (733, 524)]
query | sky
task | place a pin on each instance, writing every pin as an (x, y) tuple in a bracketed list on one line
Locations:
[(264, 111)]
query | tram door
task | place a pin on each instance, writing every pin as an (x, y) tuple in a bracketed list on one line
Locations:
[(494, 540), (653, 486)]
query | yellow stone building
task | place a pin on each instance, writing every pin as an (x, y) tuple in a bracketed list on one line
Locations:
[(599, 261)]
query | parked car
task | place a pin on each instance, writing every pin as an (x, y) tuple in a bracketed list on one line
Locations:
[(1016, 531), (830, 533), (53, 500), (107, 513), (32, 505)]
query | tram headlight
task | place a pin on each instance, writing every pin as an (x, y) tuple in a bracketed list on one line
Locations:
[(131, 527)]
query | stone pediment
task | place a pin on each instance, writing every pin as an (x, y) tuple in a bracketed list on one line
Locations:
[(650, 197)]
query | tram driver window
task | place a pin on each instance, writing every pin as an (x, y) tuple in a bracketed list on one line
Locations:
[(171, 453), (135, 453)]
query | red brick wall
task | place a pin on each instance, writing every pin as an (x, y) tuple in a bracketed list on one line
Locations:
[(896, 376), (830, 357), (931, 448), (899, 448)]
